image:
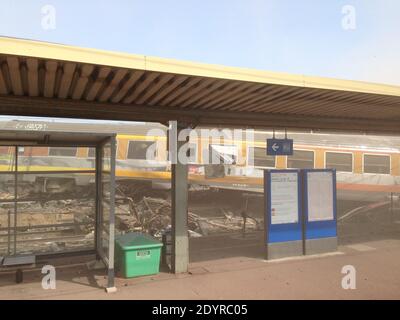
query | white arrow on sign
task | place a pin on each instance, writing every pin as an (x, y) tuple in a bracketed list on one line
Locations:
[(275, 147)]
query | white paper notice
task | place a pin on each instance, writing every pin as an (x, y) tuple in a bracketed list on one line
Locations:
[(320, 196), (284, 197)]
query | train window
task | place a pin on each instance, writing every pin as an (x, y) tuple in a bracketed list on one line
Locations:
[(339, 161), (62, 151), (301, 159), (7, 158), (259, 158), (92, 153), (52, 159), (222, 154), (138, 149), (376, 164), (92, 150)]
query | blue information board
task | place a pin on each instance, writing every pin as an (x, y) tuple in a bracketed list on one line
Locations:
[(283, 204), (319, 203), (279, 147)]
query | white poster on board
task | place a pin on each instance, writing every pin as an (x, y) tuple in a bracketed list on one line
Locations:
[(320, 196), (284, 197)]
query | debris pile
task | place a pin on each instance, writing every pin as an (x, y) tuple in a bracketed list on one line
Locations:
[(66, 221), (153, 216), (43, 226)]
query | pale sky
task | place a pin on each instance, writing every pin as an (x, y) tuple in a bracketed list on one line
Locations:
[(300, 37)]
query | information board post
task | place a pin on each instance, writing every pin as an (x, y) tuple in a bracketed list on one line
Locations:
[(283, 213), (320, 223)]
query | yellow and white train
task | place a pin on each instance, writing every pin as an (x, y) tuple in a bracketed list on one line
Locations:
[(368, 167)]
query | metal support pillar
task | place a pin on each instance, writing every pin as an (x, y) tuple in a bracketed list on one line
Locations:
[(179, 196), (99, 199), (111, 273)]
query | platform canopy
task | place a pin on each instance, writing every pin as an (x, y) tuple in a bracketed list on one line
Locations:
[(45, 79)]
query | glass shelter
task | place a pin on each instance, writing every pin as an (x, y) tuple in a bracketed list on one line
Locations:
[(57, 195)]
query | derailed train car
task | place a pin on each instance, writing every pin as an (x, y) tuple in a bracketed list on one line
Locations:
[(367, 166)]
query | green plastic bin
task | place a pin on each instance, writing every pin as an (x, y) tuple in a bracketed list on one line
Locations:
[(137, 254)]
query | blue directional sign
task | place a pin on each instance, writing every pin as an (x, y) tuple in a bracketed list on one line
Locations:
[(279, 147)]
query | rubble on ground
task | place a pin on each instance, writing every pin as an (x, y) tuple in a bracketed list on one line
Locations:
[(64, 222), (153, 216)]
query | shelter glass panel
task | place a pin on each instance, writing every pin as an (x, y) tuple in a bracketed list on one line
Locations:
[(55, 226), (55, 212), (7, 158), (105, 204), (7, 223), (7, 187)]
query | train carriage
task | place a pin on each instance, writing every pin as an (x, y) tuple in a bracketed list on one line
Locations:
[(367, 166)]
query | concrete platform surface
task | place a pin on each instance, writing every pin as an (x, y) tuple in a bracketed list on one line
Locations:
[(311, 277)]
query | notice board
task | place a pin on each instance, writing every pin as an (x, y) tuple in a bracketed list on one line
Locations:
[(284, 197), (283, 203), (319, 203), (320, 196)]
